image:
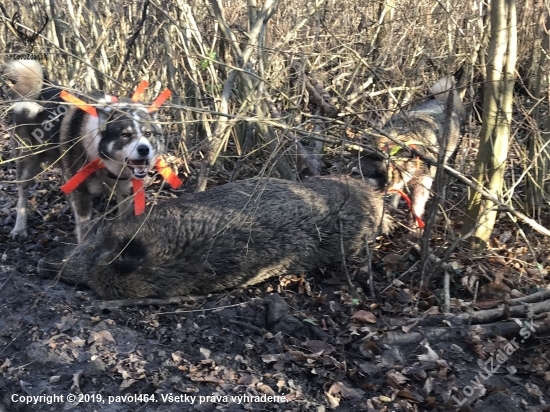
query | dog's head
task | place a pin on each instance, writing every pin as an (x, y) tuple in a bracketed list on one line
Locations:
[(130, 138), (370, 166)]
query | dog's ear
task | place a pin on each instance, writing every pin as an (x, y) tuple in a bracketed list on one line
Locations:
[(104, 112)]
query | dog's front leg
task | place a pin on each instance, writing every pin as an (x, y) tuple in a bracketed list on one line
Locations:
[(421, 194), (81, 202), (123, 191), (400, 176)]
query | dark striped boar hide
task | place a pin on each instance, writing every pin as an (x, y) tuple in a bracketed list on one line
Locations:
[(230, 236)]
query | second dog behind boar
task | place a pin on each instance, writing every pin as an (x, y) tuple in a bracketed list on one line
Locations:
[(233, 235), (421, 127)]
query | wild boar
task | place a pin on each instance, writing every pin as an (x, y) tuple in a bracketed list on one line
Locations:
[(230, 236)]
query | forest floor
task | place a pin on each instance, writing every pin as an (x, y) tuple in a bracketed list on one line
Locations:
[(300, 343)]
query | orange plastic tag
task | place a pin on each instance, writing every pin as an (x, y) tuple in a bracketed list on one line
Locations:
[(168, 174), (407, 200), (139, 90), (402, 194), (139, 196), (82, 175), (69, 98), (159, 101)]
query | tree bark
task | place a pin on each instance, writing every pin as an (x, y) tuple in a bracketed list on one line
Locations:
[(539, 152), (497, 117)]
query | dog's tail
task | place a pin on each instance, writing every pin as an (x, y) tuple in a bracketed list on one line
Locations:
[(441, 90), (24, 79)]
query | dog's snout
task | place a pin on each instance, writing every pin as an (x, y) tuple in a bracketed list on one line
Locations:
[(143, 150)]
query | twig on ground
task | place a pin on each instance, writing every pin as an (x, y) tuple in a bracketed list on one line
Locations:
[(438, 334), (116, 304)]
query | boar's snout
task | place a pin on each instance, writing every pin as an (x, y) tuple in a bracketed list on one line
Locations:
[(54, 261)]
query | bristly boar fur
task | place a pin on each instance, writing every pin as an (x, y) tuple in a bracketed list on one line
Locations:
[(233, 235)]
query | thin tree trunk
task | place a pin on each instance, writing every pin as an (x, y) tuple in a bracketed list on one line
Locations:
[(495, 132), (538, 149)]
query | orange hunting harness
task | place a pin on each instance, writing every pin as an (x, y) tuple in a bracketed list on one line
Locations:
[(137, 184), (405, 197)]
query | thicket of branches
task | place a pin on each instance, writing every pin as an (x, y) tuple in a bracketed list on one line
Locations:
[(287, 81)]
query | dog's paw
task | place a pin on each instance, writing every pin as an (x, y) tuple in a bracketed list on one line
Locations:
[(19, 235)]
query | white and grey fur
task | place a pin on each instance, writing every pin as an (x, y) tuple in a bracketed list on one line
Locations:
[(423, 123), (125, 136)]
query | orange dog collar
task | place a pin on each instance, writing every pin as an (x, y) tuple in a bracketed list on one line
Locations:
[(406, 198), (137, 184)]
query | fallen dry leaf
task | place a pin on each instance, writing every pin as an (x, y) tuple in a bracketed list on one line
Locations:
[(428, 385), (270, 358), (364, 316), (533, 389), (333, 401), (432, 310), (319, 347), (205, 352), (177, 356), (248, 379), (263, 388), (396, 379), (408, 328), (101, 338), (127, 383), (344, 391), (410, 396), (430, 356)]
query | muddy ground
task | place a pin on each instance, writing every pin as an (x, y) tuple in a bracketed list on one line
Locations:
[(302, 343)]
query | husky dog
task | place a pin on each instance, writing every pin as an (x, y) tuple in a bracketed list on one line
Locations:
[(420, 128), (233, 235), (124, 135)]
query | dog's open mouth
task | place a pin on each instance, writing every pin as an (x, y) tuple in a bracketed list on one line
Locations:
[(139, 167)]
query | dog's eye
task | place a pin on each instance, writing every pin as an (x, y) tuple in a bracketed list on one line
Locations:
[(127, 135), (147, 135)]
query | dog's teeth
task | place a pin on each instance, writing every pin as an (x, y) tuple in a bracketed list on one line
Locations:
[(140, 171)]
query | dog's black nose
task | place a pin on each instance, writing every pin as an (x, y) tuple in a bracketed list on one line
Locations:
[(143, 150)]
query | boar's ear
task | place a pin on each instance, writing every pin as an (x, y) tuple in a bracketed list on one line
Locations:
[(104, 250), (120, 254), (102, 254), (131, 256)]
